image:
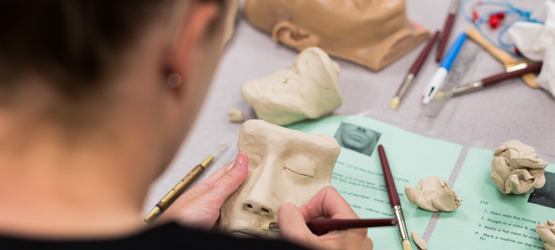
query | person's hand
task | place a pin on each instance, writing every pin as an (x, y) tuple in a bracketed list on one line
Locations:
[(327, 203), (200, 206)]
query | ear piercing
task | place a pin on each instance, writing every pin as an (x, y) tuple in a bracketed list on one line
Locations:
[(174, 80)]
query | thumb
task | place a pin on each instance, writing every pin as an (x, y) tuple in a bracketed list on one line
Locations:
[(230, 181), (292, 224)]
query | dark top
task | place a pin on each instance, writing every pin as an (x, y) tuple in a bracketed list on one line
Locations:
[(169, 236)]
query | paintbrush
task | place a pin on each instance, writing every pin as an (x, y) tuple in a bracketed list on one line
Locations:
[(323, 226), (491, 80), (394, 200), (414, 69), (184, 183), (453, 9)]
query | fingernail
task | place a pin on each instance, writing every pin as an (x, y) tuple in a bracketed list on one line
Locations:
[(240, 159)]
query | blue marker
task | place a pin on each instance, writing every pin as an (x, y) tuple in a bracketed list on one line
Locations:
[(439, 77)]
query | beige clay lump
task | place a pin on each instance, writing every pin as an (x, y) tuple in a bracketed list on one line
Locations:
[(517, 168), (421, 243), (433, 194), (235, 115), (546, 231), (308, 89)]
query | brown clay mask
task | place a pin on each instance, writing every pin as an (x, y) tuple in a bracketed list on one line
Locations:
[(285, 166), (372, 33)]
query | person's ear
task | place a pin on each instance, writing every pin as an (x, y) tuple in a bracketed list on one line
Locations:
[(293, 36), (190, 35)]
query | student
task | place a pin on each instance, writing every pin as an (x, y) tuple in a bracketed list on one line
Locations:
[(96, 97)]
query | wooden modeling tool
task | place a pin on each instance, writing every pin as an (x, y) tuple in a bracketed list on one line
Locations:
[(184, 183), (414, 69), (510, 63), (394, 199), (491, 80), (453, 9), (323, 226)]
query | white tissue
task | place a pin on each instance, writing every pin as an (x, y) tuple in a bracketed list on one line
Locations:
[(537, 42)]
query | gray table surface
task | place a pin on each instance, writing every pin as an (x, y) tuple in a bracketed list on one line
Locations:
[(507, 111)]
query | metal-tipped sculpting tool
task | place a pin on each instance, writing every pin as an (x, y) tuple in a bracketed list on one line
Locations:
[(184, 183)]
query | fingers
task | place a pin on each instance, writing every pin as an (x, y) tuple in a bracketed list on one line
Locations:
[(230, 181), (204, 185), (293, 226), (368, 244), (328, 203)]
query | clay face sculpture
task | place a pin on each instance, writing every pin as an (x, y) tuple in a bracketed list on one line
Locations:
[(433, 194), (517, 168), (306, 89), (371, 33), (546, 231), (285, 166)]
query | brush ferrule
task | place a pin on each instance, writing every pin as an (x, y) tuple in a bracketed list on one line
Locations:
[(405, 85), (398, 213), (454, 8), (471, 87)]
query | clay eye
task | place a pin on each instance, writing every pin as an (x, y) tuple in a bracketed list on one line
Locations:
[(297, 172)]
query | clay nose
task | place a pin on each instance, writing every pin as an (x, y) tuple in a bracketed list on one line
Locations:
[(258, 208)]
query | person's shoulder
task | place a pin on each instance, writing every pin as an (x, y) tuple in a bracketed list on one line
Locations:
[(196, 239), (169, 236)]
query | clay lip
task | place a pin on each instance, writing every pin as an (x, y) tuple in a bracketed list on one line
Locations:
[(247, 234), (253, 231)]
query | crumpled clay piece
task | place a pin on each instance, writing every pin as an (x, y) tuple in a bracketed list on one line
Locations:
[(546, 231), (517, 168), (421, 243), (306, 89), (433, 194)]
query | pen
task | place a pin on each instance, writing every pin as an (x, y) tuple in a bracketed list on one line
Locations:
[(438, 78), (453, 9), (488, 81), (323, 226), (178, 189), (414, 69), (394, 199)]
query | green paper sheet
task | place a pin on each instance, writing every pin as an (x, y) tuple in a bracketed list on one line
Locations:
[(487, 218), (359, 179)]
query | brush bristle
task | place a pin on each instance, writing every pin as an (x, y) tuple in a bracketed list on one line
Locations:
[(406, 245), (265, 227), (394, 103)]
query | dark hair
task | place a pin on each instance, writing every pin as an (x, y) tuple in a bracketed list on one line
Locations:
[(71, 42)]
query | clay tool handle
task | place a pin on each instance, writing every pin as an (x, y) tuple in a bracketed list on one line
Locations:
[(323, 226), (477, 85), (453, 9), (501, 55), (390, 185)]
